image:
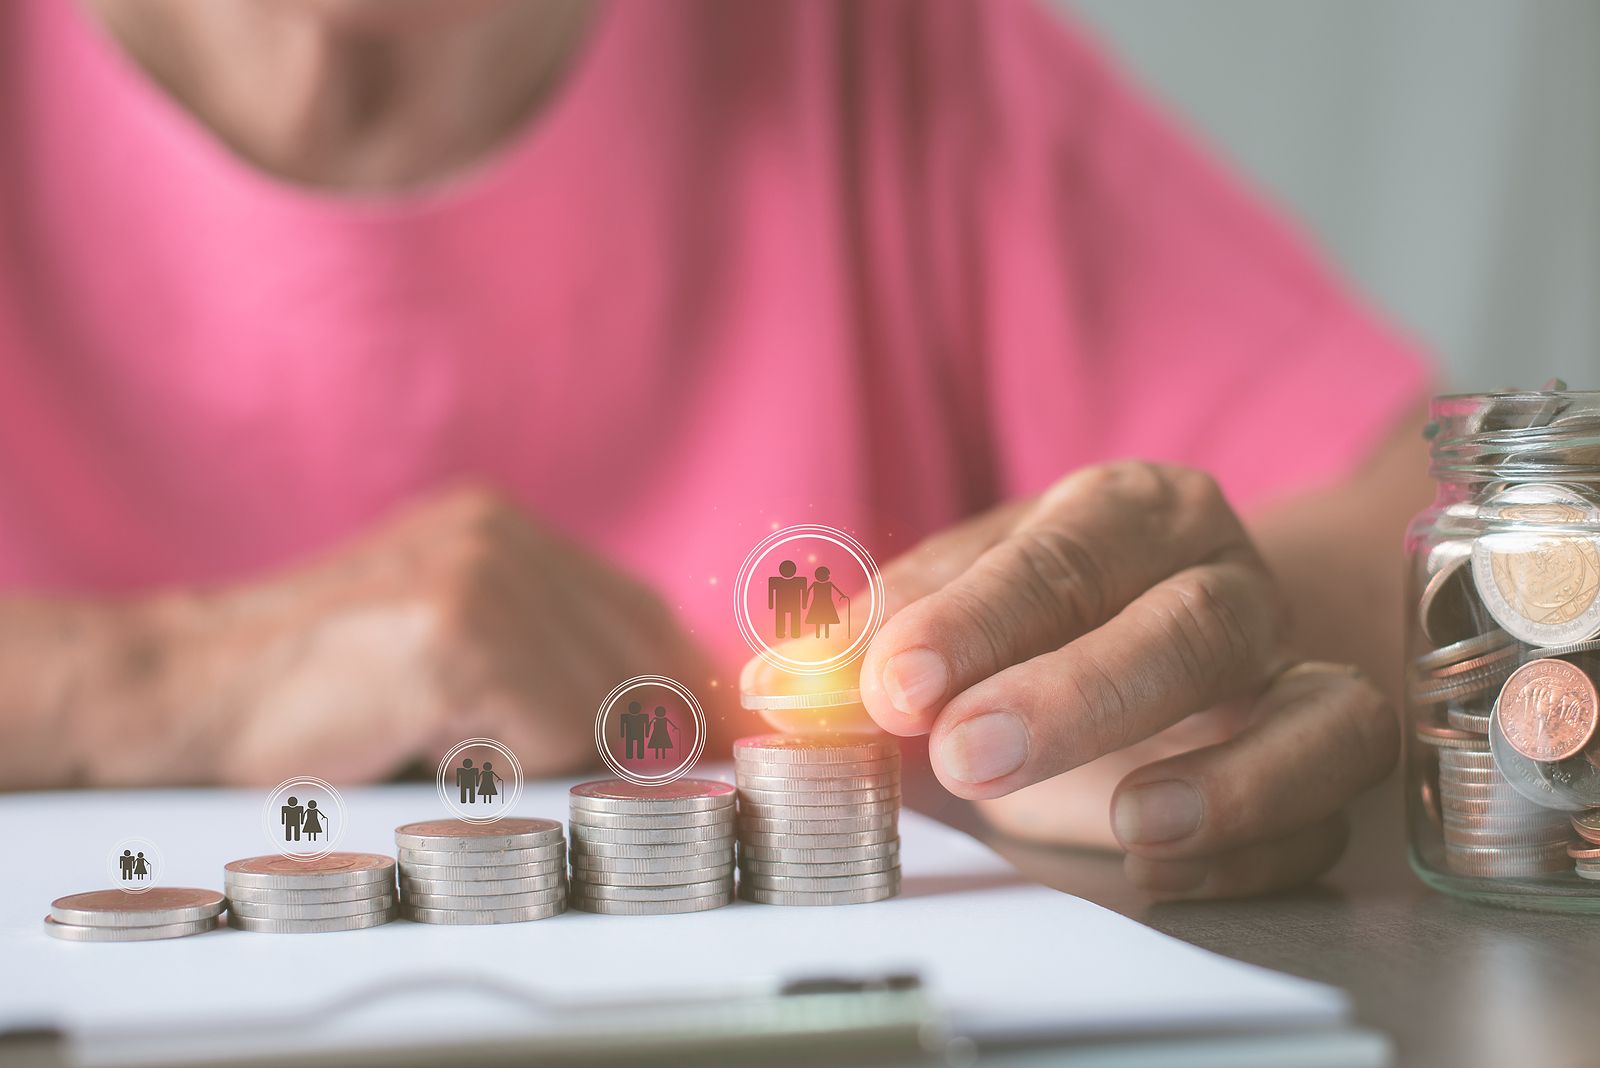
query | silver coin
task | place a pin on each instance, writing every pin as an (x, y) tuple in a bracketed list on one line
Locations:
[(1463, 720), (613, 907), (1474, 780), (592, 877), (1570, 785), (1503, 560), (841, 897), (684, 795), (817, 791), (634, 821), (1448, 738), (584, 836), (329, 911), (757, 840), (760, 702), (821, 884), (1592, 874), (807, 773), (341, 923), (1479, 760), (646, 851), (1536, 851), (287, 873), (818, 871), (482, 917), (748, 826), (723, 885), (74, 932), (485, 901), (161, 906), (482, 858), (464, 836), (815, 748), (258, 896), (491, 887), (1485, 837), (482, 872), (1518, 869), (652, 865), (762, 811), (1524, 810), (806, 855)]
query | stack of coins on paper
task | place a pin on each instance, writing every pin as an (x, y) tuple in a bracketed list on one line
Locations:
[(288, 895), (818, 818), (457, 871), (649, 850), (119, 916)]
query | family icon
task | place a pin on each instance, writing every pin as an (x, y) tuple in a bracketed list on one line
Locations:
[(640, 730), (133, 866), (477, 784), (796, 602), (300, 819)]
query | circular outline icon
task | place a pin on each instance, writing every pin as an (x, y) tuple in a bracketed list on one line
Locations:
[(271, 826), (741, 603), (616, 765), (152, 852), (516, 779)]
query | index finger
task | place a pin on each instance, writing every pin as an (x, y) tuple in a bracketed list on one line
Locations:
[(1092, 544)]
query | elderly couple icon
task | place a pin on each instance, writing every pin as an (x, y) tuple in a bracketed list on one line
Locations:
[(640, 730)]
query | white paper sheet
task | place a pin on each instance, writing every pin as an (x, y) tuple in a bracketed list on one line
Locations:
[(1002, 956)]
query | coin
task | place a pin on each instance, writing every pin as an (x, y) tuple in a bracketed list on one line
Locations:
[(749, 791), (288, 873), (795, 897), (684, 795), (637, 821), (814, 748), (756, 702), (763, 810), (651, 865), (820, 884), (161, 906), (723, 885), (591, 876), (73, 932), (1587, 825), (461, 836), (1500, 838), (1474, 648), (476, 917), (800, 775), (790, 841), (483, 858), (493, 887), (1583, 852), (1449, 738), (750, 825), (1464, 720), (816, 870), (1448, 607), (1548, 710), (481, 872), (329, 926), (258, 896), (486, 901), (647, 851), (1542, 588), (614, 907), (328, 911), (1568, 785), (846, 855), (584, 835)]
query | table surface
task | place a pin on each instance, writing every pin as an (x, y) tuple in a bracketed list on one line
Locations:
[(1451, 982)]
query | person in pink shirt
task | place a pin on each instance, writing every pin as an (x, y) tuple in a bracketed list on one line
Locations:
[(378, 373)]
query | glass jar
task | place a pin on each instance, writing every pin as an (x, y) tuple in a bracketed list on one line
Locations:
[(1503, 652)]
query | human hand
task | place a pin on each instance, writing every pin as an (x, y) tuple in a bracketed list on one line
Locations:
[(1123, 627), (459, 618)]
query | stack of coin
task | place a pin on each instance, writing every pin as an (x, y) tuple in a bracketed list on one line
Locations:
[(287, 895), (120, 916), (457, 871), (819, 818), (649, 850), (1490, 829)]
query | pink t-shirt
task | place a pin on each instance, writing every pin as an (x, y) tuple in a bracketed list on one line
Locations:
[(876, 265)]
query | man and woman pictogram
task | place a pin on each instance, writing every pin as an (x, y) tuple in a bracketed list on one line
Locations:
[(298, 819), (133, 866), (640, 730), (477, 784), (796, 602)]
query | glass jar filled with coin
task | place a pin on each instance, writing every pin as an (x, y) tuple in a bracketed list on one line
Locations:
[(1502, 708)]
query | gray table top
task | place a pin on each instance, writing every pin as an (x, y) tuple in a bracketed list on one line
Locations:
[(1451, 983)]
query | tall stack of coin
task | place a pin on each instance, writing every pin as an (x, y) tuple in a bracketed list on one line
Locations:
[(119, 916), (287, 895), (819, 818), (649, 850), (460, 872)]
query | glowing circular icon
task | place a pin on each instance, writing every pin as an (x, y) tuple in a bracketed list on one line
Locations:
[(650, 730), (135, 865), (471, 783), (791, 603), (304, 818)]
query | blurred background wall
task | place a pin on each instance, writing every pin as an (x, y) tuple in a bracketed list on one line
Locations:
[(1445, 153)]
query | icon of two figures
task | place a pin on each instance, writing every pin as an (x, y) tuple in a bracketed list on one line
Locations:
[(133, 866), (641, 730), (796, 602), (300, 819), (477, 784)]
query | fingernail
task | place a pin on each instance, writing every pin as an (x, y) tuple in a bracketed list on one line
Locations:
[(1159, 812), (984, 748), (915, 679)]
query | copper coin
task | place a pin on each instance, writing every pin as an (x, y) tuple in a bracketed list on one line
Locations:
[(1584, 852), (1548, 710), (1450, 738), (1587, 824)]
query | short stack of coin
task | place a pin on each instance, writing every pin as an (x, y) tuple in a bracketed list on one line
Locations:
[(460, 872), (651, 850), (819, 818), (120, 916), (1491, 830), (288, 895)]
